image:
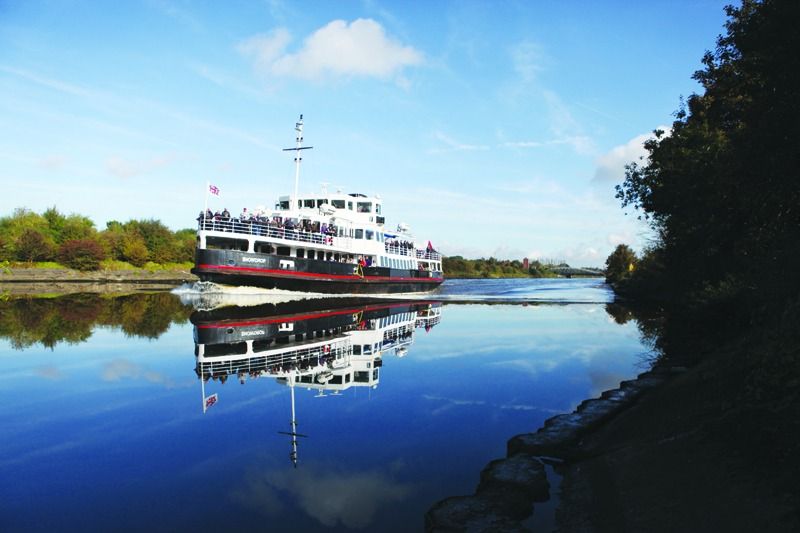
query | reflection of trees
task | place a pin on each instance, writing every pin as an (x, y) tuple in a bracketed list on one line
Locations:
[(649, 320), (72, 318)]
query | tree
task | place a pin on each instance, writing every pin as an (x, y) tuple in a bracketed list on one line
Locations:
[(33, 246), (81, 254), (721, 190), (620, 264), (134, 250)]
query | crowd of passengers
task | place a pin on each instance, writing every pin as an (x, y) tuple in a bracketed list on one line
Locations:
[(222, 374), (265, 220), (397, 244)]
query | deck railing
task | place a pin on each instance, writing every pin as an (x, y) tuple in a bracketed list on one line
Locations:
[(412, 252), (264, 230), (275, 362)]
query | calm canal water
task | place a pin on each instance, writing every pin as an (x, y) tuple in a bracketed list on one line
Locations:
[(142, 412)]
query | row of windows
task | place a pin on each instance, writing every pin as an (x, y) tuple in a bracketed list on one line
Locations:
[(360, 207), (391, 262)]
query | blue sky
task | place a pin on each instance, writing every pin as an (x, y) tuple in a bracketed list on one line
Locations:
[(491, 128)]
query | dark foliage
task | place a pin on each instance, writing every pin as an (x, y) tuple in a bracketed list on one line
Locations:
[(81, 254), (722, 190), (32, 246)]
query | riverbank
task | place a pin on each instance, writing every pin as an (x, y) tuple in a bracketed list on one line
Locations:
[(64, 280), (690, 455), (704, 448)]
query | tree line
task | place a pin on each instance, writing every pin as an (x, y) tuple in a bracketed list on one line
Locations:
[(73, 240), (458, 267), (71, 319), (722, 196)]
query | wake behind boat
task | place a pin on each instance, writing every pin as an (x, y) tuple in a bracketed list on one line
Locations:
[(327, 243)]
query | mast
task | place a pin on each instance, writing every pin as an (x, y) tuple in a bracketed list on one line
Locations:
[(298, 128), (294, 434)]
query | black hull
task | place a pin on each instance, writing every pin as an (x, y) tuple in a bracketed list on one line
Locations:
[(230, 267)]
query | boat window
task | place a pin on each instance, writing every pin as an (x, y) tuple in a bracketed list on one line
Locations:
[(283, 250), (356, 349), (320, 202), (367, 349), (301, 252), (264, 248), (364, 207), (336, 257), (299, 204), (336, 380), (370, 235), (347, 378), (320, 255), (350, 206), (308, 203), (284, 204), (338, 204), (222, 243), (377, 209), (359, 233)]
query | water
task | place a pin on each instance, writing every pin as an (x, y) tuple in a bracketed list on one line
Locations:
[(103, 404)]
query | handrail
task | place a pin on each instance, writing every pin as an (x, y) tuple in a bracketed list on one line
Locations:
[(272, 361), (264, 230)]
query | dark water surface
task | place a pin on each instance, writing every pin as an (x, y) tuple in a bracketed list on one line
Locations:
[(103, 423)]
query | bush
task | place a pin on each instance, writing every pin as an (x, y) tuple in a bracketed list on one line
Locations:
[(620, 264), (81, 254), (134, 250), (33, 246)]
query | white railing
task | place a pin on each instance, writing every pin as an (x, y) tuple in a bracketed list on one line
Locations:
[(408, 251), (275, 362), (428, 254), (263, 229)]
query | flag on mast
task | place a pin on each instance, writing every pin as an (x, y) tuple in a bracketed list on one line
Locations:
[(213, 189), (208, 402)]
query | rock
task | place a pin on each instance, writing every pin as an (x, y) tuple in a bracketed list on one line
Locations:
[(543, 443), (515, 482), (469, 514)]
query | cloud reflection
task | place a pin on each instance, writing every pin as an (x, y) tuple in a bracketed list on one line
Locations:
[(330, 497), (119, 369)]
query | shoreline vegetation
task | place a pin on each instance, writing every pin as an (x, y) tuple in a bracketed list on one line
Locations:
[(713, 446), (56, 242)]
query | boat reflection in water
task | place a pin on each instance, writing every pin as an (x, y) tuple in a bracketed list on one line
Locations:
[(326, 345)]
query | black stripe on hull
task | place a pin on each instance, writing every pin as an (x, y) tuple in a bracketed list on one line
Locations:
[(320, 286)]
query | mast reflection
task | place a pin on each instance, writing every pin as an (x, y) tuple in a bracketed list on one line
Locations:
[(325, 345)]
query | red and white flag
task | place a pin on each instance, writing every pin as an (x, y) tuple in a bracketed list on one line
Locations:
[(213, 189), (211, 400)]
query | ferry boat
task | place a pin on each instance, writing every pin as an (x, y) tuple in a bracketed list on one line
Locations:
[(326, 243)]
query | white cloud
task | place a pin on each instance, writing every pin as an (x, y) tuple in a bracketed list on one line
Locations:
[(127, 168), (452, 145), (611, 165), (53, 162), (330, 497), (359, 48), (119, 369), (528, 59)]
